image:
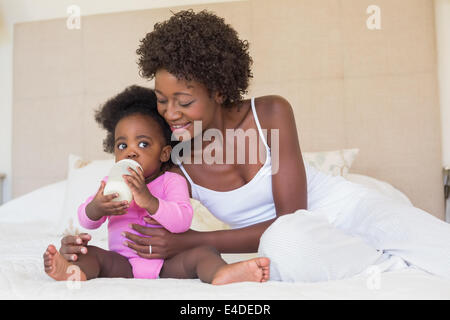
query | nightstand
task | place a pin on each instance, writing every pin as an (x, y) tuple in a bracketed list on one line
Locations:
[(2, 177), (447, 192)]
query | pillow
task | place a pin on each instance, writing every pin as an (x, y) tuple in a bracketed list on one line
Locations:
[(42, 204), (335, 163), (381, 186), (204, 220), (83, 180)]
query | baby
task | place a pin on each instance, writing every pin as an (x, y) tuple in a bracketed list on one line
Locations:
[(136, 131)]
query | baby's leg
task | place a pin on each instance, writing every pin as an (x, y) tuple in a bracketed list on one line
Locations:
[(200, 262), (96, 263), (206, 264), (100, 263)]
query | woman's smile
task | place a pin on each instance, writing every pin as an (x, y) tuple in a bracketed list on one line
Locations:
[(182, 126)]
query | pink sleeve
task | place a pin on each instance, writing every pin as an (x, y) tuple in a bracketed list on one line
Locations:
[(84, 220), (175, 211)]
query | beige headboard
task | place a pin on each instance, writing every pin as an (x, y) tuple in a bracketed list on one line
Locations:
[(350, 87)]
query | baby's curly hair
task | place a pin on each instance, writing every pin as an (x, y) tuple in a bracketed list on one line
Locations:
[(133, 100), (201, 47)]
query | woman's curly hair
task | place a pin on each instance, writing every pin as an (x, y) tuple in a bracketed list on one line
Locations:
[(201, 47), (133, 100)]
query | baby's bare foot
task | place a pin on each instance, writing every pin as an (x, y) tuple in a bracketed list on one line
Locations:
[(256, 270), (59, 268)]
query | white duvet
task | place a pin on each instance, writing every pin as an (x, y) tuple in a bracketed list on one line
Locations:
[(25, 234)]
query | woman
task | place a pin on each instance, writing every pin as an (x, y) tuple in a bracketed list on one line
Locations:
[(312, 226)]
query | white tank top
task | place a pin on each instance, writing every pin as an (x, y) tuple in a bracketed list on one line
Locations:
[(247, 205), (253, 202)]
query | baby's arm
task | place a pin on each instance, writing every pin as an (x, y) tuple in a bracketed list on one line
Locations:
[(95, 210), (83, 218), (175, 210)]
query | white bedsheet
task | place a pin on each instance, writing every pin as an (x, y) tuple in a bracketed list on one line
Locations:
[(27, 226), (22, 276)]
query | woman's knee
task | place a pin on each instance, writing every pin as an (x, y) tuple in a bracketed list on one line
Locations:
[(304, 246), (286, 243), (286, 231)]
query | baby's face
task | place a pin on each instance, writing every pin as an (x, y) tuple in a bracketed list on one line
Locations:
[(139, 137)]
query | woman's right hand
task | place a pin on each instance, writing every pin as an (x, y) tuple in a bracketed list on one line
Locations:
[(164, 243), (72, 246)]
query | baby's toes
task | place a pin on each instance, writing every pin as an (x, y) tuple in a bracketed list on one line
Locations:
[(48, 256), (48, 262), (266, 274), (51, 249)]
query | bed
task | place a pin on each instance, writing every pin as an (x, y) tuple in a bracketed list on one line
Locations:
[(30, 222)]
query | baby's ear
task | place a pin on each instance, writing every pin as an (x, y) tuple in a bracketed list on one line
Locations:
[(165, 153)]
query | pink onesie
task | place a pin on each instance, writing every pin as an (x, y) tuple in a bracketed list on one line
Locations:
[(174, 213)]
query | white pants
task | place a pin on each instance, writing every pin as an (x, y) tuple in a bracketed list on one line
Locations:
[(350, 230)]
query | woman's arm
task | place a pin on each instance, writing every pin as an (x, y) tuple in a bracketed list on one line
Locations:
[(166, 244), (243, 240), (288, 184)]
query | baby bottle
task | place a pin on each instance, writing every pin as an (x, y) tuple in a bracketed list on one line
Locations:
[(116, 184)]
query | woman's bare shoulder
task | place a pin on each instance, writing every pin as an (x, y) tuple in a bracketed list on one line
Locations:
[(273, 111), (272, 101)]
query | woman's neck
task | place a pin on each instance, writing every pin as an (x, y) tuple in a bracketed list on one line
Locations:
[(219, 124), (223, 119)]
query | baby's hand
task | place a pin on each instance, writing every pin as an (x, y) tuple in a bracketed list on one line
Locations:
[(136, 182), (103, 205)]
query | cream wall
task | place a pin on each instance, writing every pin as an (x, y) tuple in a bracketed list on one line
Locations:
[(442, 14), (349, 86), (6, 71), (442, 17), (18, 11)]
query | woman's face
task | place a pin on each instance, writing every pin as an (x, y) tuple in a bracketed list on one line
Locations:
[(182, 102)]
